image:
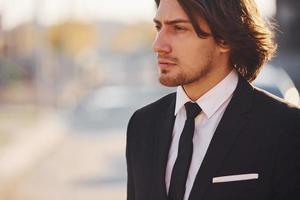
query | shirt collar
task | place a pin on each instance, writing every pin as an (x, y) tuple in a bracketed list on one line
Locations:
[(212, 100)]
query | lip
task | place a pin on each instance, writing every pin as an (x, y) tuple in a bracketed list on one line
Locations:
[(165, 66), (164, 63)]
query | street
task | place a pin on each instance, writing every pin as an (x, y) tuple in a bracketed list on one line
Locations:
[(84, 166), (86, 159)]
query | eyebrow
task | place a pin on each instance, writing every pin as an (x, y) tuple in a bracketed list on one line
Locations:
[(172, 22)]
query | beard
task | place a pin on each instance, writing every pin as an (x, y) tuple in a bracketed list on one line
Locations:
[(179, 76)]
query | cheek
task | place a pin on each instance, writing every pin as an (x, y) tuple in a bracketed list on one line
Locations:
[(194, 57), (204, 51), (187, 53), (193, 51), (192, 48)]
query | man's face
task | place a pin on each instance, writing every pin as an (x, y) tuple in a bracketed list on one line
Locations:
[(182, 57)]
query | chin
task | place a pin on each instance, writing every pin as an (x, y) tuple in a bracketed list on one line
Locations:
[(169, 82), (171, 78)]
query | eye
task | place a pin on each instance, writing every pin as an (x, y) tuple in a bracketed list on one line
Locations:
[(179, 28), (157, 27)]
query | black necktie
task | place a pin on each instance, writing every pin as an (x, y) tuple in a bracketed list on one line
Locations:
[(185, 152)]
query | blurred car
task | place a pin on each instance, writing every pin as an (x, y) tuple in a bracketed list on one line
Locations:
[(110, 107), (276, 81)]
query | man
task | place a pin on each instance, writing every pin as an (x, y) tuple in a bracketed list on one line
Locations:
[(217, 137)]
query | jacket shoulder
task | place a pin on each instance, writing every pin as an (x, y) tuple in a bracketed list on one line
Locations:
[(275, 107), (153, 109), (159, 106)]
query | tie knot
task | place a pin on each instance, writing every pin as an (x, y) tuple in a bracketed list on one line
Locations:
[(192, 110)]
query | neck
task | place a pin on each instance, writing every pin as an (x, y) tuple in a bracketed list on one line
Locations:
[(198, 88)]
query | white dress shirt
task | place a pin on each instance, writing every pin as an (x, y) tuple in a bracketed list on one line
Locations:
[(213, 104)]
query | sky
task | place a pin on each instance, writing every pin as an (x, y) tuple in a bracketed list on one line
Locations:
[(14, 12)]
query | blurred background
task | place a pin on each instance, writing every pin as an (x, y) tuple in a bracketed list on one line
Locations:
[(71, 74)]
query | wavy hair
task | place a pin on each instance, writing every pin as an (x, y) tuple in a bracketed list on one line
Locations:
[(238, 24)]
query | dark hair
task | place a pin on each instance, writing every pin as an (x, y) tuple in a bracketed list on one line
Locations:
[(238, 24)]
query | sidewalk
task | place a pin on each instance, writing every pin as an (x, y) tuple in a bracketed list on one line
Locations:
[(86, 166), (26, 146)]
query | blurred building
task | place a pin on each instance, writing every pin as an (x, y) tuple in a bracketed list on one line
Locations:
[(49, 64)]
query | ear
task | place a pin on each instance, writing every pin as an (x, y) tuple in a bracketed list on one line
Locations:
[(223, 46)]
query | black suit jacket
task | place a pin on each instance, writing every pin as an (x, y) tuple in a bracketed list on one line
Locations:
[(257, 134)]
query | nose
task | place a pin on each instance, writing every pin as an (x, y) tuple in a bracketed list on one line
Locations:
[(161, 44)]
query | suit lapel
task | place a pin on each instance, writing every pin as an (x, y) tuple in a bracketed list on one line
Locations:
[(164, 130), (234, 118)]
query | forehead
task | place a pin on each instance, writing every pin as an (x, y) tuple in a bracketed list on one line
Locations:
[(169, 10)]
